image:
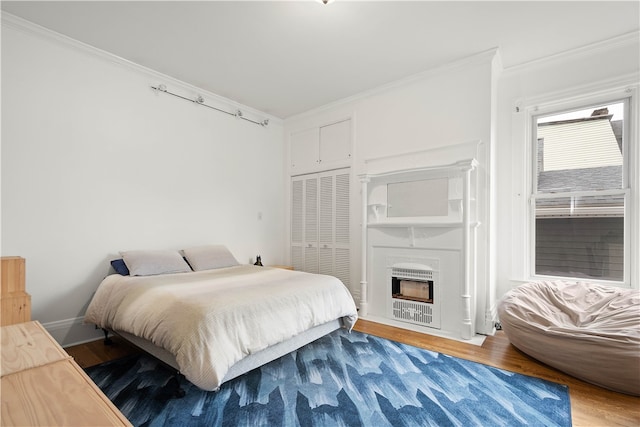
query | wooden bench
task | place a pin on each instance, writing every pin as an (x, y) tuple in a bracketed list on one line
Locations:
[(43, 386)]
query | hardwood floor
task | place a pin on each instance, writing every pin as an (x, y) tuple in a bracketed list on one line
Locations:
[(590, 405), (96, 352)]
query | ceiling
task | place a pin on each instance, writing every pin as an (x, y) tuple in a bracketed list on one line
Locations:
[(287, 57)]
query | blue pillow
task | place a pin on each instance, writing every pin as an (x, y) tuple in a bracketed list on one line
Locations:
[(120, 267)]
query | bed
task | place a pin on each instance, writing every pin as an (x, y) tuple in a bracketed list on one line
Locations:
[(587, 330), (213, 319)]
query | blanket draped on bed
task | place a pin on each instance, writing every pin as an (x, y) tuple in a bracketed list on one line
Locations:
[(211, 319)]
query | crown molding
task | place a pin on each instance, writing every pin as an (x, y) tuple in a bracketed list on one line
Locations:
[(485, 57), (628, 39), (623, 86), (28, 27)]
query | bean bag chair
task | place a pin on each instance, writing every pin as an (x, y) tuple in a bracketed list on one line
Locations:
[(589, 331)]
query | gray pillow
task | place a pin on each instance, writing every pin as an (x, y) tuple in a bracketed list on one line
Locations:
[(149, 263), (209, 257)]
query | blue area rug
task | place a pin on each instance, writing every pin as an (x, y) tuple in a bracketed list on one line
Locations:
[(342, 379)]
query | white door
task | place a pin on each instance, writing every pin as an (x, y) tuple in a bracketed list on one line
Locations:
[(335, 143), (297, 221), (320, 234), (305, 148)]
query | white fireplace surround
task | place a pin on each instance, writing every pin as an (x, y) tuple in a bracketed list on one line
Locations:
[(421, 234)]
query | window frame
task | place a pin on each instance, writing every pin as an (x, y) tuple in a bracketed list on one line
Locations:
[(630, 173)]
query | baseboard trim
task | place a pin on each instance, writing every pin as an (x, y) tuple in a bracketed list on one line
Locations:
[(72, 331), (477, 339)]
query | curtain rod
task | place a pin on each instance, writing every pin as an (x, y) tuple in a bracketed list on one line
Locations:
[(200, 101)]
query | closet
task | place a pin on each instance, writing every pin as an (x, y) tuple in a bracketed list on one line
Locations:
[(321, 148), (320, 234)]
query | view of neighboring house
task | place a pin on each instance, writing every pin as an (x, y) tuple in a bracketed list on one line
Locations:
[(580, 233)]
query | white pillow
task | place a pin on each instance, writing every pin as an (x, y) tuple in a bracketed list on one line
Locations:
[(209, 257), (148, 263)]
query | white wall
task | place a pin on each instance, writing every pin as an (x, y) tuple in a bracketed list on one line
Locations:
[(445, 107), (594, 68), (94, 162)]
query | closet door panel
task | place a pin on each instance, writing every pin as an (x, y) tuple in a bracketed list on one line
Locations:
[(342, 203), (326, 207), (326, 260), (297, 258), (305, 148), (297, 224), (320, 233), (311, 259), (311, 211), (342, 264), (297, 213), (335, 143)]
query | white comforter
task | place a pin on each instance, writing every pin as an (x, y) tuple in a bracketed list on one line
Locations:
[(211, 319)]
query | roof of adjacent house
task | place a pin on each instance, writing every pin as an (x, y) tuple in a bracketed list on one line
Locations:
[(580, 155), (579, 143)]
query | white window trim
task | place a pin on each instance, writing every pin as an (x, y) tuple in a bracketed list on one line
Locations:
[(577, 98)]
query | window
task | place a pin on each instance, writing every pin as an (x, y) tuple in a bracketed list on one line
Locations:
[(580, 193)]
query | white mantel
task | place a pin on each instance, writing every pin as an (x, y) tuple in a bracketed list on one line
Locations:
[(448, 236)]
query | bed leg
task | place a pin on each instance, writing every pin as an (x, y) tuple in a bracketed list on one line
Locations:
[(173, 389), (107, 340), (179, 391)]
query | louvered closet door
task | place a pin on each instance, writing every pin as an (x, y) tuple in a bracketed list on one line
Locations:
[(320, 234), (342, 242), (297, 221), (326, 225), (304, 223), (311, 225)]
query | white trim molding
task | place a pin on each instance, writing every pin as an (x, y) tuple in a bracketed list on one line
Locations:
[(156, 77), (628, 39), (478, 58), (73, 331)]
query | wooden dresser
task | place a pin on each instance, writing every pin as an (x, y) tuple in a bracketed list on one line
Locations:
[(42, 385), (15, 302)]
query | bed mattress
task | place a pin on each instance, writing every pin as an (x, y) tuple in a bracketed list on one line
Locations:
[(210, 320)]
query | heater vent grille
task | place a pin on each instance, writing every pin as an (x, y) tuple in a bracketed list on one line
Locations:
[(411, 273), (412, 311)]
